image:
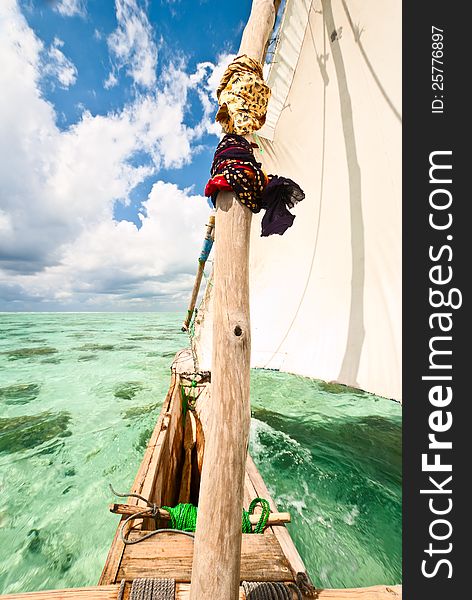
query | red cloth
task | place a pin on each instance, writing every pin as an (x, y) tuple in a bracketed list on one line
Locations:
[(217, 184)]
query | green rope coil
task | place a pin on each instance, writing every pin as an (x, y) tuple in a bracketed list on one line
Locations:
[(261, 524), (184, 516)]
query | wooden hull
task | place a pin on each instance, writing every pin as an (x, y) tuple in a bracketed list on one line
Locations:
[(110, 592), (169, 473)]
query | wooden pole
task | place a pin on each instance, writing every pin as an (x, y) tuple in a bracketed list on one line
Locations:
[(199, 275), (217, 552)]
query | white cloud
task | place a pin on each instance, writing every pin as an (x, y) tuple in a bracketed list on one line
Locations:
[(59, 66), (110, 81), (132, 44), (71, 8), (119, 262), (59, 242), (28, 134)]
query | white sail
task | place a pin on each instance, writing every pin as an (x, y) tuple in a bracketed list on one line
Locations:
[(326, 296)]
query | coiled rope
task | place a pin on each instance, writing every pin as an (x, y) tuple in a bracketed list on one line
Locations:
[(269, 590), (261, 524), (152, 589), (164, 589), (182, 517)]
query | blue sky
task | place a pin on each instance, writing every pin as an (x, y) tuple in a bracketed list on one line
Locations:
[(106, 138)]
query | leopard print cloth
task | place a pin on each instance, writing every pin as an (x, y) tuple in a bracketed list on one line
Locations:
[(243, 97)]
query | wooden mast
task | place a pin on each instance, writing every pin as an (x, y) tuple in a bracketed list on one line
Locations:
[(217, 549)]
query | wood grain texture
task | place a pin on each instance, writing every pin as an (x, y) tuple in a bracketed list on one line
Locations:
[(170, 555), (165, 488), (255, 38), (217, 556), (203, 407), (190, 439)]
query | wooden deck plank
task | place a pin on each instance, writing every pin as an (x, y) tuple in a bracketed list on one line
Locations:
[(110, 592), (171, 555), (103, 592)]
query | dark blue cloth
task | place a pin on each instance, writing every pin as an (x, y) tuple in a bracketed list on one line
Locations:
[(279, 195)]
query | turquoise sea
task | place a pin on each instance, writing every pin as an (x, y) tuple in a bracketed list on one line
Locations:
[(79, 397)]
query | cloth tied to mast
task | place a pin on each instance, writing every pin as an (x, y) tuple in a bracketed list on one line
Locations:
[(243, 97), (235, 168)]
